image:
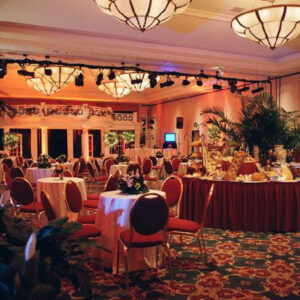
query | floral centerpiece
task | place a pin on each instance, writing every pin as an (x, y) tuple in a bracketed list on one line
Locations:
[(10, 140), (155, 146), (159, 154), (59, 169), (123, 159), (61, 158), (133, 184), (44, 161)]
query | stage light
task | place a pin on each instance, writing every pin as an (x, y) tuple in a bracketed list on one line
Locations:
[(202, 75), (168, 83), (79, 80), (217, 87), (3, 69), (25, 73), (243, 89), (153, 80), (232, 84), (185, 81), (48, 72), (258, 89), (111, 75), (99, 78)]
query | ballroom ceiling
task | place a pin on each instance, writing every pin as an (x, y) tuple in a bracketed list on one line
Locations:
[(77, 31)]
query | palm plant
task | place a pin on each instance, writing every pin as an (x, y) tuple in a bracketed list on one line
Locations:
[(261, 122)]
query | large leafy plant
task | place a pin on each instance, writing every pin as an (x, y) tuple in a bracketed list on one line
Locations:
[(261, 122)]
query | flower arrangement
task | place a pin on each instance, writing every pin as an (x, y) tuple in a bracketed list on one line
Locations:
[(123, 158), (10, 140), (59, 169), (133, 184), (61, 158), (155, 146), (44, 161), (159, 154), (111, 138), (128, 136)]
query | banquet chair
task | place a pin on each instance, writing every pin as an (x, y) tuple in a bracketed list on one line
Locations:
[(82, 171), (168, 167), (155, 167), (33, 165), (147, 168), (16, 172), (95, 179), (8, 162), (148, 218), (68, 173), (29, 162), (23, 197), (19, 160), (5, 168), (5, 197), (177, 226), (133, 168), (76, 168), (108, 163), (175, 164), (173, 188), (112, 184), (49, 212), (184, 159), (97, 167), (174, 156)]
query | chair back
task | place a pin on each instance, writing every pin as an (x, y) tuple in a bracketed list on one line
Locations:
[(147, 166), (139, 160), (97, 166), (154, 160), (173, 188), (112, 183), (8, 162), (175, 164), (149, 214), (108, 164), (73, 197), (90, 169), (19, 160), (29, 162), (168, 167), (16, 172), (68, 173), (6, 168), (76, 168), (206, 205), (173, 156), (82, 165), (21, 191), (7, 180), (115, 161), (50, 214), (133, 168), (184, 159), (33, 165)]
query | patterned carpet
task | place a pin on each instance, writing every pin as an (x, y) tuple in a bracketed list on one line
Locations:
[(242, 266)]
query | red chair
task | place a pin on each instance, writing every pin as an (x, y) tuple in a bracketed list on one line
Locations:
[(76, 168), (68, 173), (148, 219), (16, 172), (168, 167), (173, 188), (23, 197), (6, 168), (97, 167), (7, 181), (147, 168), (20, 160), (175, 164), (33, 165), (82, 168), (133, 168), (177, 226), (108, 163), (49, 212), (97, 180), (8, 162)]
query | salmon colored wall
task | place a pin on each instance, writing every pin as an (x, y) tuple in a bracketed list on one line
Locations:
[(190, 109)]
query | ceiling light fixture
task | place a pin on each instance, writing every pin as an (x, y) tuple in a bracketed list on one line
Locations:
[(114, 89), (185, 81), (42, 86), (270, 26), (243, 89), (168, 83), (99, 78), (258, 89), (111, 75), (143, 15), (217, 87), (79, 80), (199, 82), (60, 77)]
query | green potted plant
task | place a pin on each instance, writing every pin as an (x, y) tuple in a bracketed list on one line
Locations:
[(10, 140), (111, 138)]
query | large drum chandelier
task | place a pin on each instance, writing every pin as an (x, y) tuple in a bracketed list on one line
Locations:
[(42, 86), (136, 81), (114, 89), (270, 26), (59, 76), (143, 14)]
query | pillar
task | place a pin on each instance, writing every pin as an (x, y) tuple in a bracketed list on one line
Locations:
[(33, 141), (70, 143), (85, 143), (44, 140), (137, 138)]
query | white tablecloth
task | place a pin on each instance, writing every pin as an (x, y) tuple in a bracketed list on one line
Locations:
[(112, 218), (34, 174), (55, 188), (183, 169), (119, 167)]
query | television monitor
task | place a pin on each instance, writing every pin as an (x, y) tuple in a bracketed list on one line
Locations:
[(170, 137)]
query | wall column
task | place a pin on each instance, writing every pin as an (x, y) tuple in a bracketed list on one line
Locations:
[(44, 140), (137, 138), (85, 143), (70, 143), (33, 141)]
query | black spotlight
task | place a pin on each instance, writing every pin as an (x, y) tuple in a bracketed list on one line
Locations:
[(202, 75), (153, 80), (111, 75), (25, 73), (257, 90), (3, 69), (185, 81), (99, 78), (243, 89), (217, 87), (199, 82), (136, 81), (79, 80), (48, 72), (169, 82), (232, 84)]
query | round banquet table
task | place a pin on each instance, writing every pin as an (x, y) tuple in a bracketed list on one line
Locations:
[(34, 174), (120, 167), (253, 206), (55, 188), (112, 218)]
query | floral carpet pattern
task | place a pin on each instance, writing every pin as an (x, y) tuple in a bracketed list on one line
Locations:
[(241, 266)]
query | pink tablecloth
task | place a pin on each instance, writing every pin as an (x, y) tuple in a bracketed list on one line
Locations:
[(112, 218)]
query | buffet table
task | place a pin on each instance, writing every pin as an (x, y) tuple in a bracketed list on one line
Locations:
[(251, 206)]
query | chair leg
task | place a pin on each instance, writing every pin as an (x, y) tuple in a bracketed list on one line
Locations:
[(118, 258), (204, 247), (201, 251), (100, 259), (126, 268), (167, 247)]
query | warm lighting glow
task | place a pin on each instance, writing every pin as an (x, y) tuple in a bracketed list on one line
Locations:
[(136, 81), (270, 26), (114, 89), (143, 15), (42, 86), (60, 76)]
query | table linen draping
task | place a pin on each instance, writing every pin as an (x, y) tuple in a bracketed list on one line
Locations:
[(112, 218), (256, 206), (120, 167), (34, 174), (55, 188)]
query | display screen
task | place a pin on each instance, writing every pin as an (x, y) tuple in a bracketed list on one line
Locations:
[(170, 137)]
